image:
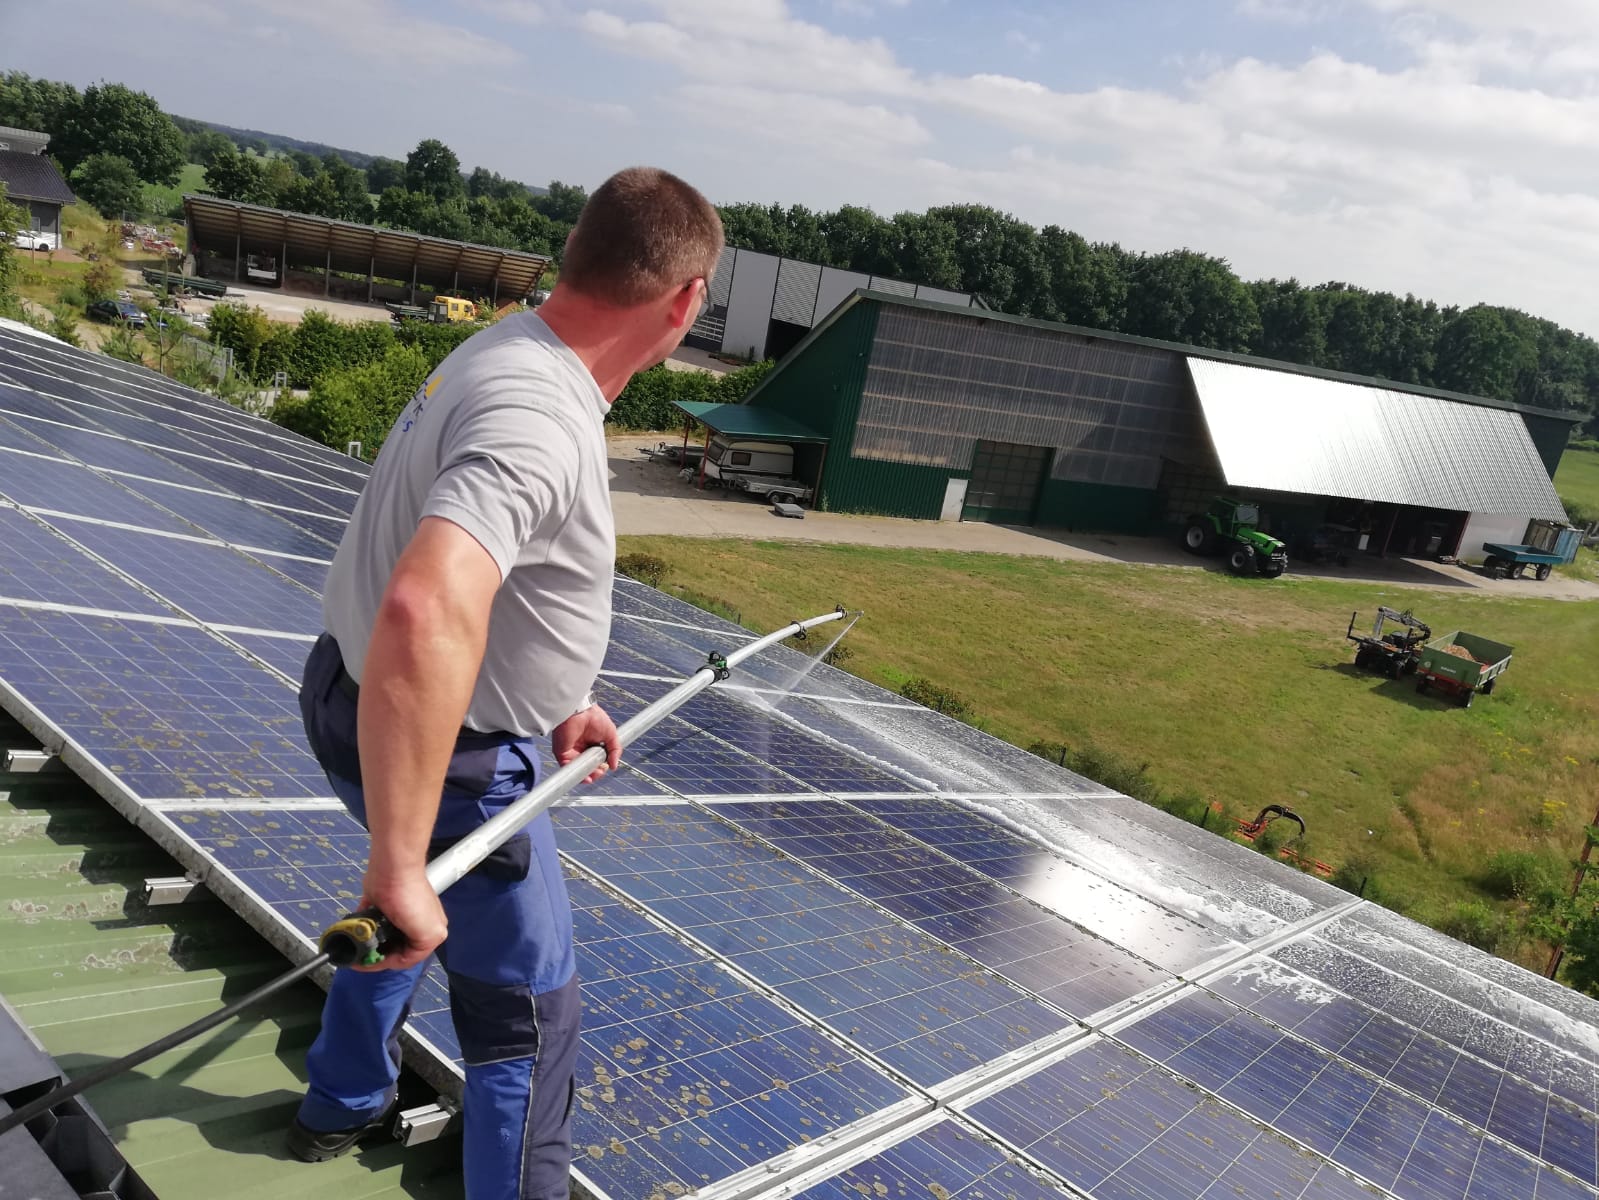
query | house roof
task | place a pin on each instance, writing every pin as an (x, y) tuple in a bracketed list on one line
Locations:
[(740, 420), (32, 141), (33, 177), (223, 226)]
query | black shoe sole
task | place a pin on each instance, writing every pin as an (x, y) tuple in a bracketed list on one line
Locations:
[(308, 1145)]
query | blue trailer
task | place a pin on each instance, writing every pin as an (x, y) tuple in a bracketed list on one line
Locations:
[(1545, 546)]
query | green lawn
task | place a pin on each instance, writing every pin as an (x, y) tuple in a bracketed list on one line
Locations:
[(161, 199), (1240, 690), (1578, 480)]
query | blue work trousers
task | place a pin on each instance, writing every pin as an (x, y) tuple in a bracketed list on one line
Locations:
[(508, 958)]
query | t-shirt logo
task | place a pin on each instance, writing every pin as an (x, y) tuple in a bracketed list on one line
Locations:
[(424, 392)]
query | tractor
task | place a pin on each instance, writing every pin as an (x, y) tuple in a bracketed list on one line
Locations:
[(1231, 527)]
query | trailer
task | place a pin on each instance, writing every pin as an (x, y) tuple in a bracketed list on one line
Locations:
[(1511, 562), (1456, 675), (171, 281), (774, 488), (1545, 546)]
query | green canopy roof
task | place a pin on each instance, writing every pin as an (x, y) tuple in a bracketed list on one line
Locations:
[(744, 421)]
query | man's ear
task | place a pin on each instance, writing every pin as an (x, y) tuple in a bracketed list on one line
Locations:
[(685, 303)]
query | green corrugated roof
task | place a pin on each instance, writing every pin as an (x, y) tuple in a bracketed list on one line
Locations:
[(740, 420), (95, 974)]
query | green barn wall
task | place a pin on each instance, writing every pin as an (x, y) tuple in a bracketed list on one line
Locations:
[(819, 384)]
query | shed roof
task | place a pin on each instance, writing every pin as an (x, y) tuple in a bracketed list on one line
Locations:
[(740, 420), (1282, 432), (392, 253), (33, 177)]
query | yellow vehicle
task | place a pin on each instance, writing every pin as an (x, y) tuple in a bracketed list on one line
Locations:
[(451, 308)]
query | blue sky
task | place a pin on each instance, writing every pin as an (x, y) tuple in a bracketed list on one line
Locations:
[(1441, 147)]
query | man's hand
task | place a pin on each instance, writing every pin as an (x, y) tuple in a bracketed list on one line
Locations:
[(591, 727), (412, 907)]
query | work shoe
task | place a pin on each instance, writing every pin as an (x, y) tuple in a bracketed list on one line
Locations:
[(310, 1145)]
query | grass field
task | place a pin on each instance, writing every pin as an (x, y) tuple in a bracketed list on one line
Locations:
[(161, 199), (1578, 479), (1239, 690)]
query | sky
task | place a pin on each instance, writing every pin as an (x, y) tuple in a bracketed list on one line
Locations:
[(1444, 148)]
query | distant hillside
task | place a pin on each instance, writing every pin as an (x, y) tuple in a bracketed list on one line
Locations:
[(263, 142), (274, 141)]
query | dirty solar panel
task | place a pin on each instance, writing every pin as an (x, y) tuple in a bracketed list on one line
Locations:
[(948, 1160), (1121, 1128), (1041, 950), (168, 710), (230, 519), (685, 1075), (871, 978)]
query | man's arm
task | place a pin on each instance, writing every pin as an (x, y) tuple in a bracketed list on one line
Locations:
[(423, 660)]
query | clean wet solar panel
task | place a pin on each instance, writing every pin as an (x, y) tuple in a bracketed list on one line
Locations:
[(949, 1160), (870, 977)]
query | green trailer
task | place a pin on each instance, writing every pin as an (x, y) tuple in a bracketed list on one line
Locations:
[(1457, 677), (172, 281)]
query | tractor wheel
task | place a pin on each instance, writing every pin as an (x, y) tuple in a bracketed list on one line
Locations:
[(1363, 658), (1199, 538), (1488, 688), (1542, 572), (1517, 571), (1394, 667), (1272, 572), (1422, 685), (1241, 561), (1491, 565)]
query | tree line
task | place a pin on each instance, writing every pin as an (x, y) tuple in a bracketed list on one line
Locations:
[(1186, 296), (108, 131)]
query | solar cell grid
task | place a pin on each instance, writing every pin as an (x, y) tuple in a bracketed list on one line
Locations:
[(1370, 1125), (900, 994), (1037, 949), (239, 480), (212, 582), (58, 485), (1121, 1128), (948, 1161), (232, 520), (166, 710), (1118, 914), (110, 452), (40, 565)]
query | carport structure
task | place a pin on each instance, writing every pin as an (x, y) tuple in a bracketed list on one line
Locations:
[(740, 421), (233, 230)]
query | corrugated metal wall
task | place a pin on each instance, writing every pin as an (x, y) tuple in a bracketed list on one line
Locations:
[(821, 387)]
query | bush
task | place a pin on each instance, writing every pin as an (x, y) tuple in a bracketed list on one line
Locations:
[(1105, 767), (937, 697), (121, 344), (1579, 514), (1518, 875), (358, 404), (646, 568), (73, 294), (1355, 873), (433, 341), (102, 280), (838, 655), (1475, 923), (64, 324), (243, 329), (710, 604), (646, 402)]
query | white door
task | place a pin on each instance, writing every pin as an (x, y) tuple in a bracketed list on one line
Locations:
[(954, 500)]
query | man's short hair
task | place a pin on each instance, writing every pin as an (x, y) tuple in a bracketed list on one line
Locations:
[(642, 233)]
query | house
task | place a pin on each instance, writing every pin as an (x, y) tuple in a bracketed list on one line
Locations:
[(33, 184)]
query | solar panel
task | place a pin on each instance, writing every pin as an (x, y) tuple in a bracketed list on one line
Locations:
[(833, 944)]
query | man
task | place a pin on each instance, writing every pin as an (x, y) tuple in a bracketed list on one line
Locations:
[(467, 611)]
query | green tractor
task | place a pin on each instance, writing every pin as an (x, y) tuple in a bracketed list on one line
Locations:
[(1230, 527)]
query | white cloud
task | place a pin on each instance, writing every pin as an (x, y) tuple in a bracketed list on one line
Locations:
[(1026, 43), (516, 12), (386, 31)]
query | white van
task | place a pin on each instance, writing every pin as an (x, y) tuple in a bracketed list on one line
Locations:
[(732, 458), (37, 239)]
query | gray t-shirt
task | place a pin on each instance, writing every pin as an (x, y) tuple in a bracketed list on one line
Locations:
[(506, 440)]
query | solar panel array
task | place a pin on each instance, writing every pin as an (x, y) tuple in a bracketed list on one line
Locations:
[(833, 944)]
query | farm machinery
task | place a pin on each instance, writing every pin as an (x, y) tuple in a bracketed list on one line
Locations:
[(1232, 528)]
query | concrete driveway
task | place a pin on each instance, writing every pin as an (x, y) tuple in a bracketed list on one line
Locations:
[(649, 498)]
